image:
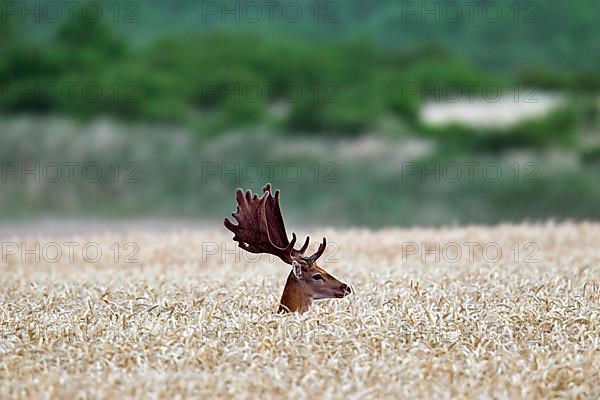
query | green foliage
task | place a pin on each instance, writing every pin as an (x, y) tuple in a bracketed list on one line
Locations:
[(88, 43), (173, 178), (6, 28), (587, 82), (591, 155), (324, 86), (556, 128), (558, 36), (210, 81)]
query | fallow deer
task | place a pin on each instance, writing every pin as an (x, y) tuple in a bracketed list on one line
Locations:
[(260, 229)]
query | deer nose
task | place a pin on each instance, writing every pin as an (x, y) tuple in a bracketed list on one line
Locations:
[(346, 289)]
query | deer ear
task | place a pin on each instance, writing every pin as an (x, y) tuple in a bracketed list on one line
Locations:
[(297, 269)]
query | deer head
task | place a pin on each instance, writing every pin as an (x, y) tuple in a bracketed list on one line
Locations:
[(260, 229)]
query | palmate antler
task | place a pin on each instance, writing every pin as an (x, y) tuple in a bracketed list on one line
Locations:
[(260, 227)]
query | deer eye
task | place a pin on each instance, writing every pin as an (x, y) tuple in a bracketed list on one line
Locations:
[(317, 277)]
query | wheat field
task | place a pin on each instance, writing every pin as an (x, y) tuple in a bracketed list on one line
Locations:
[(184, 314)]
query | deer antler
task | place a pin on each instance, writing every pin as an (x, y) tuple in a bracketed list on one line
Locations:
[(261, 229), (319, 252)]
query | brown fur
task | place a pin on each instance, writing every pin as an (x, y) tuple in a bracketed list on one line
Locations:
[(293, 297), (260, 229), (299, 292)]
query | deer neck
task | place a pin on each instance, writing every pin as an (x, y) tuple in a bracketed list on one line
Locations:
[(294, 298)]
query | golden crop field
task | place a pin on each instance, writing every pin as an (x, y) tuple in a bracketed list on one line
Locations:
[(179, 315)]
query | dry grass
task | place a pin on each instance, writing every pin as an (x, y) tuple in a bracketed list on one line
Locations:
[(175, 326)]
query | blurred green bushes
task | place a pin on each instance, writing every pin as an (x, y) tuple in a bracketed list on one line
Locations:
[(557, 128), (216, 81), (165, 172), (210, 82)]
